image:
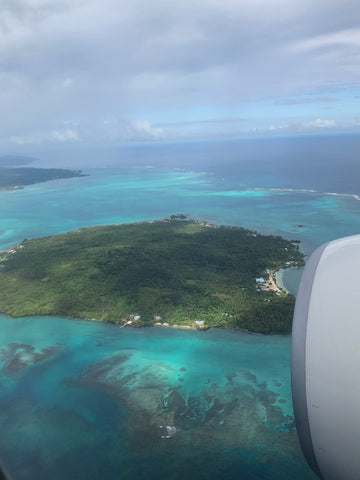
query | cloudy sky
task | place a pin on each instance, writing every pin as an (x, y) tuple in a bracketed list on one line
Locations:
[(114, 71)]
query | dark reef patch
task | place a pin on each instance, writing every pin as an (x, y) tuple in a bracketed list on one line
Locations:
[(17, 356), (236, 415)]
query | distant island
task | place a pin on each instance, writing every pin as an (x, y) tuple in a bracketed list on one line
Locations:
[(172, 271), (15, 175), (19, 177)]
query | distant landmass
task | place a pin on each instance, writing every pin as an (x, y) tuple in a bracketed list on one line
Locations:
[(174, 271), (19, 177), (14, 174)]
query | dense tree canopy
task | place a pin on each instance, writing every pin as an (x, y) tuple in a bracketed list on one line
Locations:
[(176, 271)]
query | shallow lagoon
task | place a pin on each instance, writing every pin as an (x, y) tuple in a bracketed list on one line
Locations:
[(83, 399)]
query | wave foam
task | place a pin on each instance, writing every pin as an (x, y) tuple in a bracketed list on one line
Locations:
[(170, 431), (351, 195), (305, 190)]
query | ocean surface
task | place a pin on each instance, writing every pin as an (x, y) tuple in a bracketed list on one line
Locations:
[(82, 399)]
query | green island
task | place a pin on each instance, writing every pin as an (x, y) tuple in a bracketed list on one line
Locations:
[(173, 271), (19, 177)]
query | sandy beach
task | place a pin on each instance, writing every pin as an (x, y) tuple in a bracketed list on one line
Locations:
[(273, 284)]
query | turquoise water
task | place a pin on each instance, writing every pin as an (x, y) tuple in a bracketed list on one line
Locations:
[(126, 195), (87, 400), (289, 279)]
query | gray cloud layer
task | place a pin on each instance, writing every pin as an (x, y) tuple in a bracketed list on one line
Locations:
[(302, 101), (69, 66)]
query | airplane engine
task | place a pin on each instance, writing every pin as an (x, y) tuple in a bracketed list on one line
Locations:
[(325, 364)]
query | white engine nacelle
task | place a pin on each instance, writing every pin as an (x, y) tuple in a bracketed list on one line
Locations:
[(325, 364)]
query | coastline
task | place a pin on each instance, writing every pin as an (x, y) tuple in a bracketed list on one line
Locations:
[(259, 318), (293, 277), (279, 280), (34, 175), (158, 324), (274, 282), (11, 188)]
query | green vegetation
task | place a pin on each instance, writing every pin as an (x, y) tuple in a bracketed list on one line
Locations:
[(176, 271), (19, 177)]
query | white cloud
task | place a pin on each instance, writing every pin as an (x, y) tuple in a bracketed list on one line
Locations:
[(90, 61), (319, 123), (341, 39), (316, 126), (24, 139), (303, 101), (65, 135), (62, 136), (107, 130), (144, 129), (67, 82)]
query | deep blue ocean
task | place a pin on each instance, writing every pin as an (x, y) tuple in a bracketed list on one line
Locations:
[(85, 400)]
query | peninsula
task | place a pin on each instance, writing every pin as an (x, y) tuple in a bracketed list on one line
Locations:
[(173, 271), (14, 178)]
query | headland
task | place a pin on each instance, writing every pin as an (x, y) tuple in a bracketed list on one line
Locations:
[(19, 177)]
